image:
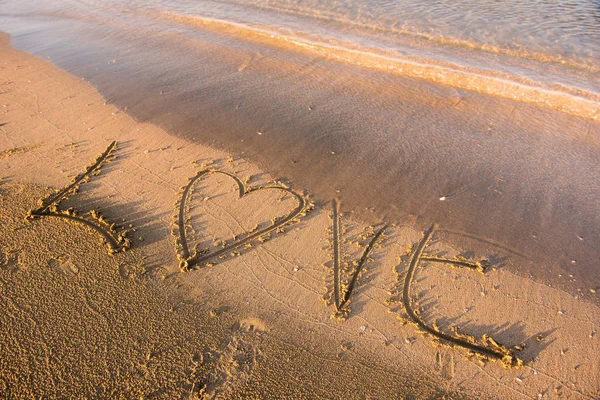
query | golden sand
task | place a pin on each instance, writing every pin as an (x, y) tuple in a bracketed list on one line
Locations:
[(230, 290)]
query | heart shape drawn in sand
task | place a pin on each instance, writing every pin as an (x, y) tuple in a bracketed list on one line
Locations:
[(188, 260)]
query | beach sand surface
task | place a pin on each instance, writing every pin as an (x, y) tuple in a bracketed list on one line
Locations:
[(260, 321)]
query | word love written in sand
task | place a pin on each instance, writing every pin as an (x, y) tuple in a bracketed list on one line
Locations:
[(115, 237), (116, 240), (202, 257)]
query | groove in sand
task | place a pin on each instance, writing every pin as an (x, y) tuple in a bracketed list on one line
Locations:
[(340, 304), (477, 266), (78, 179), (49, 206), (188, 260), (495, 351)]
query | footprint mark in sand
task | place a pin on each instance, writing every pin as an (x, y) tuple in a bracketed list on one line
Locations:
[(341, 297), (8, 260), (115, 238), (444, 363), (488, 348), (188, 260), (233, 363), (64, 265)]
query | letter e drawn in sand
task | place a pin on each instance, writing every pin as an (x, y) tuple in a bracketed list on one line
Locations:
[(114, 236), (341, 298), (189, 260), (488, 348)]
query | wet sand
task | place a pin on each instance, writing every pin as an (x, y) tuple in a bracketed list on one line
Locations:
[(393, 149), (259, 322)]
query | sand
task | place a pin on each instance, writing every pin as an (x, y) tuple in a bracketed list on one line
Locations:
[(392, 148), (260, 320)]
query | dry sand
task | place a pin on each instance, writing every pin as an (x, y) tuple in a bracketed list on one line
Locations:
[(78, 322)]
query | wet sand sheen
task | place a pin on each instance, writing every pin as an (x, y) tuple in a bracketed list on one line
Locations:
[(401, 150), (575, 101)]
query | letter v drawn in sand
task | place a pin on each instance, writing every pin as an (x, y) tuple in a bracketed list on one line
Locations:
[(343, 290), (488, 347), (189, 260), (114, 236)]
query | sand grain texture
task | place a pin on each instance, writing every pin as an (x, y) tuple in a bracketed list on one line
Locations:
[(254, 325)]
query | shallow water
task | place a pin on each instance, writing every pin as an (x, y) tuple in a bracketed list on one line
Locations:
[(334, 121), (544, 52), (568, 29)]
